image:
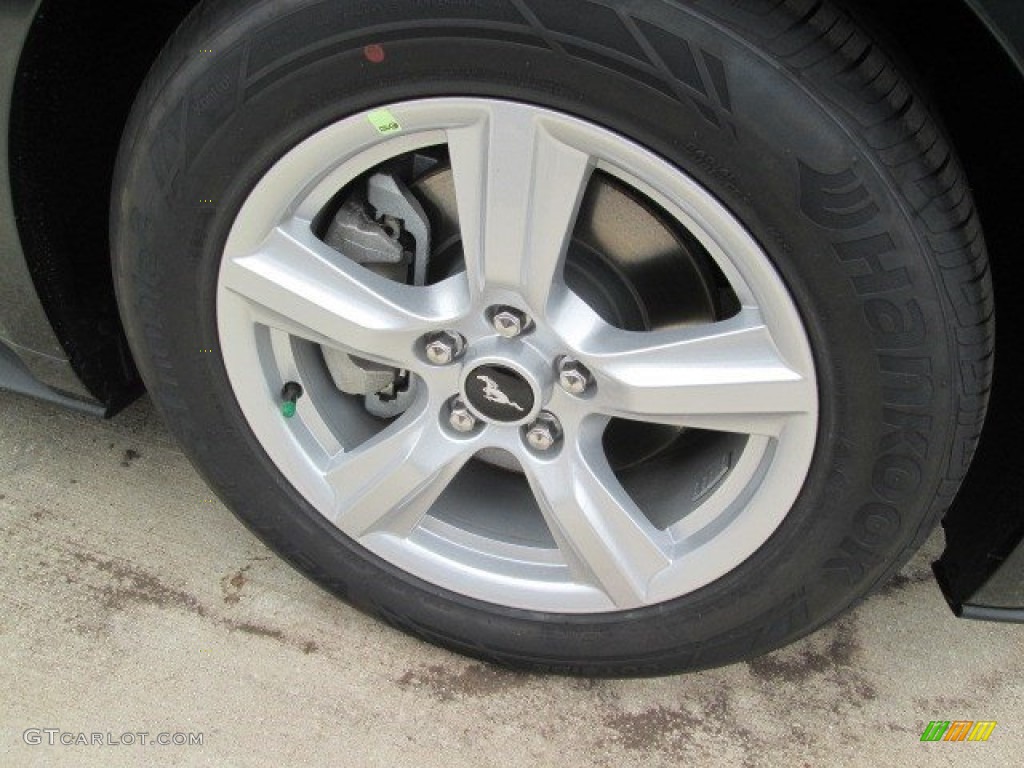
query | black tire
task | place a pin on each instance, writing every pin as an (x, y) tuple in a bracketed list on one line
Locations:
[(789, 113)]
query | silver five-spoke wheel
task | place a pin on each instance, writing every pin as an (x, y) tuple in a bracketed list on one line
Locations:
[(578, 335), (529, 445)]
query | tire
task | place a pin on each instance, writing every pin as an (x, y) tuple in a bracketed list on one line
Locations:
[(796, 137)]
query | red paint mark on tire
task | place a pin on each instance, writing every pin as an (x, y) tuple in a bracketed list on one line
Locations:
[(374, 53)]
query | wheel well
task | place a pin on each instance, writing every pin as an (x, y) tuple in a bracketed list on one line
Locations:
[(975, 87), (81, 66), (84, 61)]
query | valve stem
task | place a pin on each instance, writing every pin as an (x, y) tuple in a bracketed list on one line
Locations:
[(290, 394)]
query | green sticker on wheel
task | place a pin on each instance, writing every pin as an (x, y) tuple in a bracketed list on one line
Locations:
[(384, 121)]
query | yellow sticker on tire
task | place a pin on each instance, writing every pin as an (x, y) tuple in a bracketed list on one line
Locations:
[(384, 121)]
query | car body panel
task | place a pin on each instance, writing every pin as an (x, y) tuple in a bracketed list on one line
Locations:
[(1005, 20), (981, 571), (1001, 591)]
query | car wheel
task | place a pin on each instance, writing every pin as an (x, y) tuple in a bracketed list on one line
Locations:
[(573, 335)]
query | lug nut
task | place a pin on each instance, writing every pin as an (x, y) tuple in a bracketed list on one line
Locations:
[(573, 376), (509, 322), (444, 347), (544, 433), (460, 418)]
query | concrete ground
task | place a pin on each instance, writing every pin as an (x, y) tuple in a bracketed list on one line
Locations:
[(132, 601)]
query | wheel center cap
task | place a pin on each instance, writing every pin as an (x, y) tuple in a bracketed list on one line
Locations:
[(499, 393)]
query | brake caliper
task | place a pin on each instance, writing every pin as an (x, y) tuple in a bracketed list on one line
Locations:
[(394, 242)]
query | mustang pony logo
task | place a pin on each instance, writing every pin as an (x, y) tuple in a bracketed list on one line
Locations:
[(493, 393)]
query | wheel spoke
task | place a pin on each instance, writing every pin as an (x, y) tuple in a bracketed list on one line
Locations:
[(300, 285), (518, 190), (727, 376), (606, 538), (390, 482)]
